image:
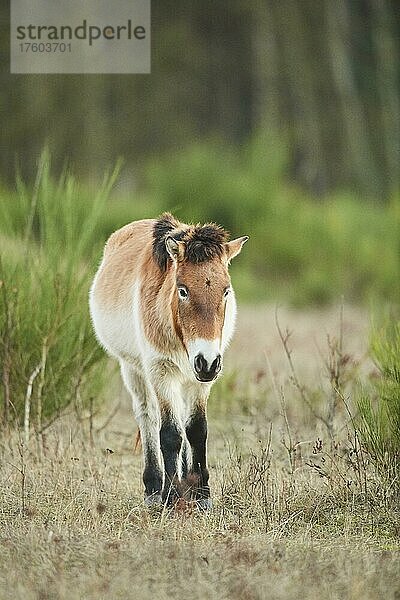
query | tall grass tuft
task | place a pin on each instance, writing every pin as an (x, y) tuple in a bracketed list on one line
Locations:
[(49, 357), (379, 407)]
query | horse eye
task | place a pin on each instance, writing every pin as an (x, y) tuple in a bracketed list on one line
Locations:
[(183, 293)]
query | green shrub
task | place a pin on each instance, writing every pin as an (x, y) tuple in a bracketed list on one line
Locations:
[(301, 250), (49, 355), (379, 406)]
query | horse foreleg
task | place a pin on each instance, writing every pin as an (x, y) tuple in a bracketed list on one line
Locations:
[(196, 432), (147, 414), (171, 437)]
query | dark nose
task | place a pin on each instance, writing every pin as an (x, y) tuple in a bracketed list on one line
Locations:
[(203, 373)]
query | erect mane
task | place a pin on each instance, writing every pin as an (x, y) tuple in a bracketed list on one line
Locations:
[(202, 242)]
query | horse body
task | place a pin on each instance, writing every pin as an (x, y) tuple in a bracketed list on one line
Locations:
[(162, 304)]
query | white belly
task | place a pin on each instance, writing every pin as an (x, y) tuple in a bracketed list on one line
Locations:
[(114, 327)]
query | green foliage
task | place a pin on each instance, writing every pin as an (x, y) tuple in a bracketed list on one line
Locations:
[(379, 406), (49, 355), (300, 250)]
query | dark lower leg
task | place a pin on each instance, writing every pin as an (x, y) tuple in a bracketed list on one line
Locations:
[(152, 476), (196, 432), (171, 442)]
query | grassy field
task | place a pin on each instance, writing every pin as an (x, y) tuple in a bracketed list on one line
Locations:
[(304, 442), (298, 511)]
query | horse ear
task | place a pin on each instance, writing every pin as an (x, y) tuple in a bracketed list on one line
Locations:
[(175, 249), (234, 247)]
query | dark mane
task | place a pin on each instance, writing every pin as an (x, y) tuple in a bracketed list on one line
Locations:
[(202, 242)]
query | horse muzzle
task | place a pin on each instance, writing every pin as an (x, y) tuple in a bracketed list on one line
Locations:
[(205, 372)]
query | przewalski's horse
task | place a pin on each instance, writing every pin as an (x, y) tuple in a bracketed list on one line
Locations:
[(162, 304)]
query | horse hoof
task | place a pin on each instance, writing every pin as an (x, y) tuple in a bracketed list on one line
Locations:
[(153, 500), (204, 504)]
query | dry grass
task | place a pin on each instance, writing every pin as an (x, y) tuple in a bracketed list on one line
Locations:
[(296, 515)]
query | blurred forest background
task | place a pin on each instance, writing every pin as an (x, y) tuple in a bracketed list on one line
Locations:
[(278, 119), (321, 76)]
